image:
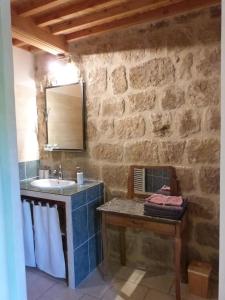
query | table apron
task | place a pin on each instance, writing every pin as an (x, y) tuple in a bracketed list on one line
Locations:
[(156, 227)]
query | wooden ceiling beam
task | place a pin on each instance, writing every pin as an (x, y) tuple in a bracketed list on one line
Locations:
[(26, 31), (35, 7), (17, 43), (152, 15), (109, 14), (75, 10), (31, 48)]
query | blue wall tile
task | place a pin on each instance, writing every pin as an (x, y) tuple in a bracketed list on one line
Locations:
[(32, 168), (95, 251), (78, 200), (81, 263), (93, 217), (22, 171), (80, 226), (29, 169), (86, 231), (93, 193)]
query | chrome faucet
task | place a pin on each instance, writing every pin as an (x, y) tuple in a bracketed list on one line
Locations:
[(58, 172)]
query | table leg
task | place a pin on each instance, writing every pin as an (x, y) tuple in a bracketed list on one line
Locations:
[(122, 245), (184, 262), (104, 244), (177, 266)]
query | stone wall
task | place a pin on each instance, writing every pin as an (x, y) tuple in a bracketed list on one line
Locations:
[(153, 98)]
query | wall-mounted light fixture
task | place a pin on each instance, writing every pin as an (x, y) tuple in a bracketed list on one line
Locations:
[(63, 71)]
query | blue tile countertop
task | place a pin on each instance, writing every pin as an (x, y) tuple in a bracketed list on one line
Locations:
[(67, 191)]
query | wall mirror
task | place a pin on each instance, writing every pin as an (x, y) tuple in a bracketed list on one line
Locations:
[(65, 117), (145, 180)]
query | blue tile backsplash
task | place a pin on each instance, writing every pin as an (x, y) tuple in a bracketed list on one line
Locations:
[(87, 240), (22, 171), (29, 169)]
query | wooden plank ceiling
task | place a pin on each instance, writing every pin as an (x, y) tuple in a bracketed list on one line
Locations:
[(50, 25)]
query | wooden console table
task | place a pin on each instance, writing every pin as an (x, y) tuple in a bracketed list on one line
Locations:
[(130, 213)]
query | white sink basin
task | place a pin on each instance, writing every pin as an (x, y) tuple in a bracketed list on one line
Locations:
[(52, 183)]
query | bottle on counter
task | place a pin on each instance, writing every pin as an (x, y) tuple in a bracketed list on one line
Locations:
[(80, 176)]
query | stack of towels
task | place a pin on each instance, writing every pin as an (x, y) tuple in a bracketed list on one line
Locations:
[(165, 206)]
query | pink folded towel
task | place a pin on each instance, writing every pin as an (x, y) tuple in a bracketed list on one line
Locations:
[(165, 200)]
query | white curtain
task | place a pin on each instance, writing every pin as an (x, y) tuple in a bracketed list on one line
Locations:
[(48, 241), (28, 235)]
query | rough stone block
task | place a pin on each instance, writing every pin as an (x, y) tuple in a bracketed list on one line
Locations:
[(118, 193), (185, 177), (113, 107), (203, 151), (97, 81), (130, 127), (156, 72), (115, 176), (142, 101), (189, 122), (91, 169), (172, 98), (106, 128), (161, 123), (204, 92), (212, 119), (133, 55), (207, 234), (179, 38), (209, 180), (185, 67), (109, 152), (155, 248), (209, 32), (171, 152), (199, 207), (187, 18), (119, 80), (92, 132), (210, 64), (142, 152), (93, 107)]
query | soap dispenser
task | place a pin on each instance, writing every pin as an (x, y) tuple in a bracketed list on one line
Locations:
[(80, 176)]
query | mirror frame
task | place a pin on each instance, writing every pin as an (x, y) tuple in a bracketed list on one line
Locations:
[(82, 84)]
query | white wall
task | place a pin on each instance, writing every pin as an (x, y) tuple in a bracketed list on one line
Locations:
[(26, 110)]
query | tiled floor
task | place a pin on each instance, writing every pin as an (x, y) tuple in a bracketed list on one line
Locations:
[(124, 283)]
